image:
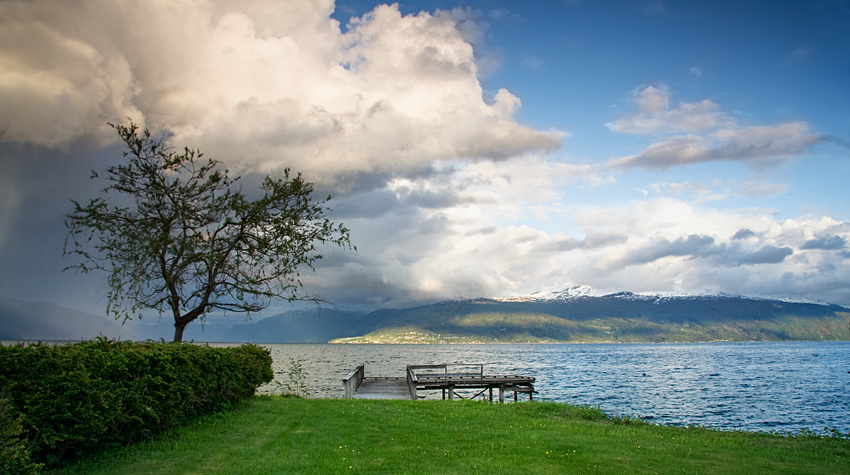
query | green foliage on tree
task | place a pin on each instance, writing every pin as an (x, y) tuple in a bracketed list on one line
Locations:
[(176, 234)]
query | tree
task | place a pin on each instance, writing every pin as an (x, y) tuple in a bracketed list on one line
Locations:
[(175, 233)]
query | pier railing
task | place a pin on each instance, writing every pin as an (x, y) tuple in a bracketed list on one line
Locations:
[(353, 380), (440, 373), (447, 370), (411, 383), (437, 377)]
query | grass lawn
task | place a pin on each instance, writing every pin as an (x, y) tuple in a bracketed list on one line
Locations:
[(268, 435)]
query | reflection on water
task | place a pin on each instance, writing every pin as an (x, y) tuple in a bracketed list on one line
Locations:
[(785, 386)]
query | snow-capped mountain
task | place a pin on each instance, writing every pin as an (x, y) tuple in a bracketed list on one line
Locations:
[(575, 292), (565, 293)]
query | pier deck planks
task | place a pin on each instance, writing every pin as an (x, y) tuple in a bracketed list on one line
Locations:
[(383, 388)]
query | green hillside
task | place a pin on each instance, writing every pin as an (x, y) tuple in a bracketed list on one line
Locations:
[(604, 320), (613, 318)]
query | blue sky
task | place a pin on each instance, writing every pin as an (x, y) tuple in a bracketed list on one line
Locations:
[(474, 148)]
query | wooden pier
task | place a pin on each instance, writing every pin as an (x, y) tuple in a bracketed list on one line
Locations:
[(441, 377)]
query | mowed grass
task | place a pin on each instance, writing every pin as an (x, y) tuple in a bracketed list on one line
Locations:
[(268, 435)]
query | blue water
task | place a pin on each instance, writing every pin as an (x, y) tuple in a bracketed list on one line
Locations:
[(787, 386)]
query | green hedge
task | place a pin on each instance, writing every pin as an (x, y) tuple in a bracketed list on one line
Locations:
[(74, 399)]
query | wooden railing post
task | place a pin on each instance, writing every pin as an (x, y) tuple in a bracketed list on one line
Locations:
[(411, 383), (353, 380)]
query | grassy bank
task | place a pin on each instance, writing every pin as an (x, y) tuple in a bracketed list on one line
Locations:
[(540, 328), (278, 435)]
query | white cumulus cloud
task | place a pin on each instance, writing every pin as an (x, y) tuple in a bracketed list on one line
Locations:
[(702, 132), (263, 84)]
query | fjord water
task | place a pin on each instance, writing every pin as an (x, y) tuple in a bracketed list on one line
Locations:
[(767, 386)]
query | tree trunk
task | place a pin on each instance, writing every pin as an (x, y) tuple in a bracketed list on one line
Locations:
[(180, 321), (178, 331)]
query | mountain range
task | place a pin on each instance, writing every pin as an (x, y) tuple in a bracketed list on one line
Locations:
[(566, 315)]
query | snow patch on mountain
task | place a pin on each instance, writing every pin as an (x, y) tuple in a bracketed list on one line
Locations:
[(575, 292), (566, 293)]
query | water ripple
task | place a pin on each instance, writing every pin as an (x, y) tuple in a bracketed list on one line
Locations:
[(786, 386)]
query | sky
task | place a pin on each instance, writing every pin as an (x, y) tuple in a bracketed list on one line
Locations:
[(474, 149)]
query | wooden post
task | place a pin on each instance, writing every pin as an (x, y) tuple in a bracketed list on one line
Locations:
[(411, 383), (491, 394), (451, 392), (353, 380), (501, 393)]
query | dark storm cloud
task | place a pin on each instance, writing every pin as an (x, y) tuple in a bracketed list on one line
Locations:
[(692, 246), (365, 205), (592, 240), (826, 243), (835, 140), (595, 239), (767, 255), (440, 199), (743, 234), (560, 245), (482, 231)]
